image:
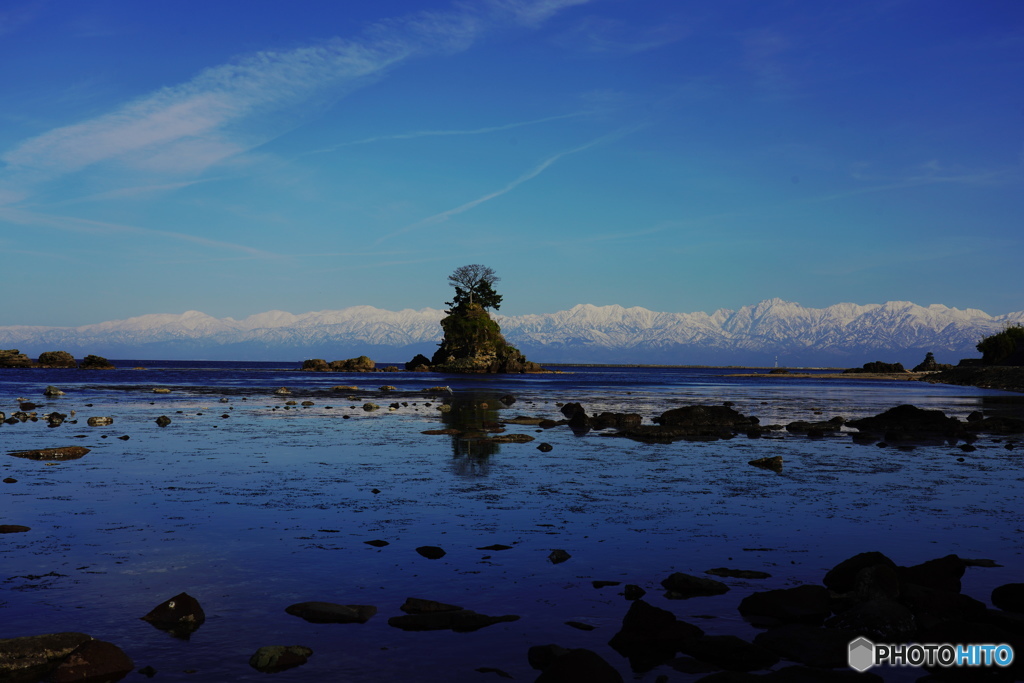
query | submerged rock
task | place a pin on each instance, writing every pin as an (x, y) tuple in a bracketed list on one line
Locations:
[(907, 422), (31, 658), (578, 664), (808, 604), (94, 661), (431, 552), (773, 463), (180, 616), (429, 615), (651, 636), (331, 613), (274, 658), (53, 454), (681, 586)]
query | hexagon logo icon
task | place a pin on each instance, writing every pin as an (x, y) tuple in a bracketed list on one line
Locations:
[(861, 655)]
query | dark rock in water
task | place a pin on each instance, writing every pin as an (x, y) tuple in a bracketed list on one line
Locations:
[(616, 420), (31, 658), (541, 656), (738, 573), (27, 406), (651, 636), (53, 454), (13, 529), (730, 652), (460, 621), (932, 607), (579, 666), (558, 556), (907, 422), (496, 546), (816, 428), (52, 391), (424, 606), (843, 577), (331, 613), (510, 438), (996, 425), (180, 616), (10, 358), (56, 359), (808, 604), (431, 552), (10, 480), (880, 618), (419, 363), (877, 581), (579, 625), (878, 367), (811, 645), (698, 417), (697, 422), (94, 661), (377, 543), (95, 363), (682, 586), (274, 658), (571, 409), (633, 592), (942, 574), (508, 399), (604, 584), (100, 421), (163, 421), (773, 463), (545, 448), (1009, 597)]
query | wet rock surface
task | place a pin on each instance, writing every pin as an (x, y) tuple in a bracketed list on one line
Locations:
[(276, 658), (57, 454), (180, 616), (331, 613)]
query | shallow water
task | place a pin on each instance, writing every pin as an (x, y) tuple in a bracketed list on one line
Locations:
[(250, 507)]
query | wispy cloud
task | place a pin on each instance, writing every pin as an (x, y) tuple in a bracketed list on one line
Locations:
[(136, 192), (231, 108), (529, 175), (68, 223), (442, 133)]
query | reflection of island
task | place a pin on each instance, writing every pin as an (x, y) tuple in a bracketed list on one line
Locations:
[(475, 415)]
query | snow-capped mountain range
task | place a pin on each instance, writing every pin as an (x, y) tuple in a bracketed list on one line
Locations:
[(774, 330)]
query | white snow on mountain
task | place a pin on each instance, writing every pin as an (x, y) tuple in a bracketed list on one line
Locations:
[(842, 333)]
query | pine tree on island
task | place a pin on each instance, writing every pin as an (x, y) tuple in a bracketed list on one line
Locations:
[(473, 342)]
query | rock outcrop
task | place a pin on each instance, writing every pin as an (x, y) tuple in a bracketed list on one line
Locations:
[(358, 364), (91, 362), (11, 358), (56, 359), (473, 343)]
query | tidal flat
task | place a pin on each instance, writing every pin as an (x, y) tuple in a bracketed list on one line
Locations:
[(251, 505)]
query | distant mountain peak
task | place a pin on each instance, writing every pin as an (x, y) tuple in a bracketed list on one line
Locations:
[(844, 334)]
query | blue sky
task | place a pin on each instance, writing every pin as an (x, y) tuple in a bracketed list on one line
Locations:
[(240, 156)]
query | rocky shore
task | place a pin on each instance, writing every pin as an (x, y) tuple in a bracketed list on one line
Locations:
[(1005, 378)]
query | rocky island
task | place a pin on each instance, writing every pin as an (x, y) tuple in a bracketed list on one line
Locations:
[(473, 342)]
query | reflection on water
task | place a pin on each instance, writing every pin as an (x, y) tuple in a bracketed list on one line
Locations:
[(475, 415)]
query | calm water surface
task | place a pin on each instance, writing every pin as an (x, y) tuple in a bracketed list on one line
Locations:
[(250, 507)]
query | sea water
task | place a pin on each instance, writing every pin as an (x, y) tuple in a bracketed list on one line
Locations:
[(251, 505)]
